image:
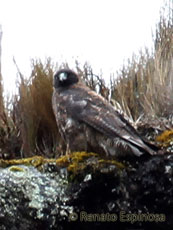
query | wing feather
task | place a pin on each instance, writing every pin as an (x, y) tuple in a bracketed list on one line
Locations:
[(102, 116)]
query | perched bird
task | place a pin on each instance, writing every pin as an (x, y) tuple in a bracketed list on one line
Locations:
[(88, 122)]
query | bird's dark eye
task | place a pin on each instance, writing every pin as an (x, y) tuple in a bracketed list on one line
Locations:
[(63, 76)]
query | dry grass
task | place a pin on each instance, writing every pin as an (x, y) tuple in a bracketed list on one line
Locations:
[(1, 87), (93, 81), (143, 87), (34, 114)]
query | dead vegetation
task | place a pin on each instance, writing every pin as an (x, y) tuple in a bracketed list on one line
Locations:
[(145, 85), (143, 89)]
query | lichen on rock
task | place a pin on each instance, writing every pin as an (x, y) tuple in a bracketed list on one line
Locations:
[(39, 193)]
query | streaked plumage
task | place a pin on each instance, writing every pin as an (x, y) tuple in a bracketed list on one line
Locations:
[(88, 122)]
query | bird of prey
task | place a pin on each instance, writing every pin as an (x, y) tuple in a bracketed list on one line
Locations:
[(88, 122)]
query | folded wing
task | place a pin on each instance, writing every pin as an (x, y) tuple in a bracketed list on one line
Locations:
[(102, 116)]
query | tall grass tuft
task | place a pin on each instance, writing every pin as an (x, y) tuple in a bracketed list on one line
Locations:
[(145, 85), (1, 86), (9, 139), (34, 112)]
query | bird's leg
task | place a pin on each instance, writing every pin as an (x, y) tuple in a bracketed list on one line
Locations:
[(68, 151), (86, 140), (105, 149)]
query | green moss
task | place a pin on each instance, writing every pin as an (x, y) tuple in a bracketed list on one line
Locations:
[(166, 138), (16, 169), (35, 161), (77, 161), (74, 162), (112, 162)]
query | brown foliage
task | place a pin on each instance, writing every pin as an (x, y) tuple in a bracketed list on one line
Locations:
[(144, 87), (34, 112)]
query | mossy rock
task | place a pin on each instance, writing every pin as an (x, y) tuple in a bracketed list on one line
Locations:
[(74, 163), (165, 140)]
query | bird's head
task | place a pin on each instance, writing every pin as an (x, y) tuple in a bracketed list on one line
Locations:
[(65, 78)]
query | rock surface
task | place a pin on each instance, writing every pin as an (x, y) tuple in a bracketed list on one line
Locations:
[(86, 193)]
